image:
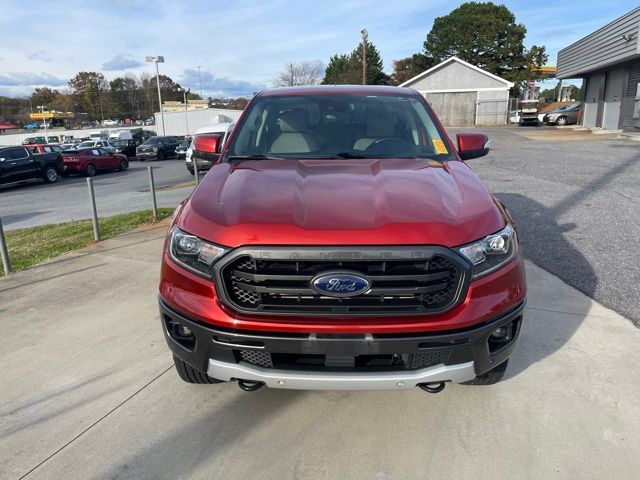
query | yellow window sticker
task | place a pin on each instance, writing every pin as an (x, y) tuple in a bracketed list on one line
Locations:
[(439, 146)]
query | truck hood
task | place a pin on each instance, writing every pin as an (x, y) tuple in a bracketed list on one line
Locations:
[(334, 202)]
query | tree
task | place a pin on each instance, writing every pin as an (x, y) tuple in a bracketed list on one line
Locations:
[(407, 68), (299, 73), (43, 96), (91, 93), (487, 36), (347, 68)]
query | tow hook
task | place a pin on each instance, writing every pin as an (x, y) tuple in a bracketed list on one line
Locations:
[(249, 386), (432, 387)]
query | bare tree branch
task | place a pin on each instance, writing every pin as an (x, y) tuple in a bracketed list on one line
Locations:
[(300, 73)]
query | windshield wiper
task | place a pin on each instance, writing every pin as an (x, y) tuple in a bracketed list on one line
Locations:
[(242, 158), (349, 155)]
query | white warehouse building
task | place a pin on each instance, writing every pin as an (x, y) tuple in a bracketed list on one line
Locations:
[(462, 94), (187, 122)]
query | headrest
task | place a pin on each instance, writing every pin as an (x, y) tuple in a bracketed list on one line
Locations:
[(294, 121), (379, 122)]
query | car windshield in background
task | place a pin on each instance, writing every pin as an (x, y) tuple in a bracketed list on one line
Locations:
[(152, 141), (338, 126), (86, 144)]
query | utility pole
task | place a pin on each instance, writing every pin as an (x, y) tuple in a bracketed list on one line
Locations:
[(186, 115), (99, 99), (200, 79), (364, 34), (44, 123), (158, 59)]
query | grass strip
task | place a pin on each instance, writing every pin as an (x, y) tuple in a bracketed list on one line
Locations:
[(33, 245)]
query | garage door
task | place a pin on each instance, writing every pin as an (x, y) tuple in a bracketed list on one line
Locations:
[(455, 109)]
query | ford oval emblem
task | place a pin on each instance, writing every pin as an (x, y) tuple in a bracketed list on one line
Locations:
[(340, 284)]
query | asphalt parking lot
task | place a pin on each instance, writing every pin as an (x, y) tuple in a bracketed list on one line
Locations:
[(576, 201), (109, 404), (33, 203)]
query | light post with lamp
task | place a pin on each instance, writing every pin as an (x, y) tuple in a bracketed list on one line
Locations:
[(44, 123), (158, 59), (185, 91)]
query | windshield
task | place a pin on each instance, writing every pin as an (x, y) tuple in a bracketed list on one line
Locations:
[(86, 144), (338, 126), (152, 141)]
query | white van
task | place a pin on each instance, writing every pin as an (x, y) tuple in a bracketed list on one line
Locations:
[(223, 128), (120, 135)]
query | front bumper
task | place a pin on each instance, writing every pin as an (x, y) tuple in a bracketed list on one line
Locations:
[(147, 155), (456, 356)]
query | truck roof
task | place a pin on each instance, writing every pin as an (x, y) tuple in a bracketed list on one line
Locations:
[(319, 89)]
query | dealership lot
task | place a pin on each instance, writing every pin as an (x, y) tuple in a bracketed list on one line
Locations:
[(33, 203), (110, 405)]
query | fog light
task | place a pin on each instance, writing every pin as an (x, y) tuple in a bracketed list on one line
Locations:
[(184, 331), (500, 333)]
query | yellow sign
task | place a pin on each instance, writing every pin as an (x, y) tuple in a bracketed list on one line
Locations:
[(440, 147), (50, 115)]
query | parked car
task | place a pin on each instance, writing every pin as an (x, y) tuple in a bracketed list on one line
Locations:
[(32, 126), (45, 148), (565, 115), (20, 163), (95, 143), (204, 161), (529, 113), (89, 161), (157, 148), (40, 140), (181, 149), (110, 123), (339, 241), (125, 147)]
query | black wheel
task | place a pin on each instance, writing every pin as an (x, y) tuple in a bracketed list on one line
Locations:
[(162, 155), (123, 165), (191, 375), (50, 175), (561, 121), (90, 171), (492, 376)]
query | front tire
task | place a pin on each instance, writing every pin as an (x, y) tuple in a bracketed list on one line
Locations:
[(191, 375), (162, 155), (90, 171), (50, 175), (561, 121), (123, 165), (491, 377)]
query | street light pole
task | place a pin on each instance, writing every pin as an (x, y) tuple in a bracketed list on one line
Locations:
[(364, 34), (44, 123), (158, 59), (186, 115)]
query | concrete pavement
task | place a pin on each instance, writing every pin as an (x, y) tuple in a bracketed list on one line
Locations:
[(89, 392)]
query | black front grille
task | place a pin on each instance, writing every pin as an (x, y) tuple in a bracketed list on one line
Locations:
[(279, 284), (406, 361)]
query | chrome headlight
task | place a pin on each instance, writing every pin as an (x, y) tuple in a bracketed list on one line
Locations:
[(193, 253), (492, 252)]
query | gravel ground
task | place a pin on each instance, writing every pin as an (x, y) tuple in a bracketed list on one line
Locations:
[(576, 201)]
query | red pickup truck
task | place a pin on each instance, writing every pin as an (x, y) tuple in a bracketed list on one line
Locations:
[(341, 242)]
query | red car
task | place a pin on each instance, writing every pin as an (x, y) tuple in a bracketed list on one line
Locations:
[(340, 242), (90, 160)]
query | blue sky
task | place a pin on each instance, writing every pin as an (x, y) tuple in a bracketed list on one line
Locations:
[(241, 46)]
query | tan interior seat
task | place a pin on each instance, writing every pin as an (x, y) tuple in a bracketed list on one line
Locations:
[(379, 124), (295, 136)]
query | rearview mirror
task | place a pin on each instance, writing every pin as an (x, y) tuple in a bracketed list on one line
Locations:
[(207, 146), (472, 145)]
